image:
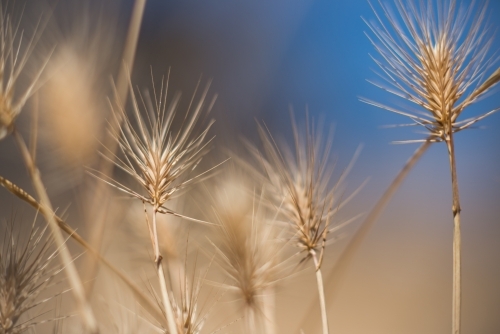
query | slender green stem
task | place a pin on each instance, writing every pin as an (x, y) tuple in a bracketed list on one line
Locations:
[(321, 292), (457, 289), (66, 259), (171, 324)]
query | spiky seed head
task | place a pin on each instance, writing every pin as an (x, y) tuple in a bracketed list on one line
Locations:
[(301, 183), (437, 59), (249, 248), (156, 155), (13, 58), (25, 270), (190, 309), (187, 315)]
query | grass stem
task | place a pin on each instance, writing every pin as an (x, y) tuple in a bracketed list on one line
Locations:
[(270, 311), (321, 292), (99, 193), (171, 323), (457, 291), (66, 259)]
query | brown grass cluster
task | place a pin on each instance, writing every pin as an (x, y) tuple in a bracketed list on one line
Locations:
[(256, 223)]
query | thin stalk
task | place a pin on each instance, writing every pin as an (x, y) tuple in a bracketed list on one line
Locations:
[(269, 311), (129, 50), (321, 292), (456, 308), (171, 324), (139, 296), (67, 261), (338, 272), (99, 203), (250, 321)]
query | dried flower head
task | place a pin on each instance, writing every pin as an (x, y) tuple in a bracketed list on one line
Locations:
[(301, 184), (155, 155), (249, 249), (25, 271), (13, 58), (437, 59)]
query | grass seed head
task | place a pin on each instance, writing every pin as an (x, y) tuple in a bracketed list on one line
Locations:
[(187, 312), (155, 155), (437, 59), (249, 248), (25, 270), (301, 184), (14, 54)]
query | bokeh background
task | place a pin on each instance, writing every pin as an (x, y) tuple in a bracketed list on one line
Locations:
[(265, 57)]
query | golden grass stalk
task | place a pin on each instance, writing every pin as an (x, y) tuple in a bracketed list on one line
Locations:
[(158, 158), (69, 267), (438, 60), (130, 49), (25, 271), (302, 181), (122, 86)]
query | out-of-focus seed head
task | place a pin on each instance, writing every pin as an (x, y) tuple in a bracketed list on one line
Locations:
[(14, 54), (249, 246), (25, 270)]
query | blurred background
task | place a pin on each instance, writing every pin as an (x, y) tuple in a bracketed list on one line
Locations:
[(265, 57)]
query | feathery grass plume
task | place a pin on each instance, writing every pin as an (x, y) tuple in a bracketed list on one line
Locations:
[(159, 158), (302, 182), (250, 250), (71, 120), (438, 59), (25, 271), (73, 98), (14, 55)]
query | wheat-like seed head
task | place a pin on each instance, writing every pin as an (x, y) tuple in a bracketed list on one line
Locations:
[(301, 184), (437, 59), (155, 155), (249, 249), (13, 58), (25, 270)]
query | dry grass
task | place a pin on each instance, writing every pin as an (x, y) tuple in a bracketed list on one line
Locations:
[(26, 269), (280, 211), (303, 190), (437, 59), (250, 251), (15, 52), (158, 159)]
